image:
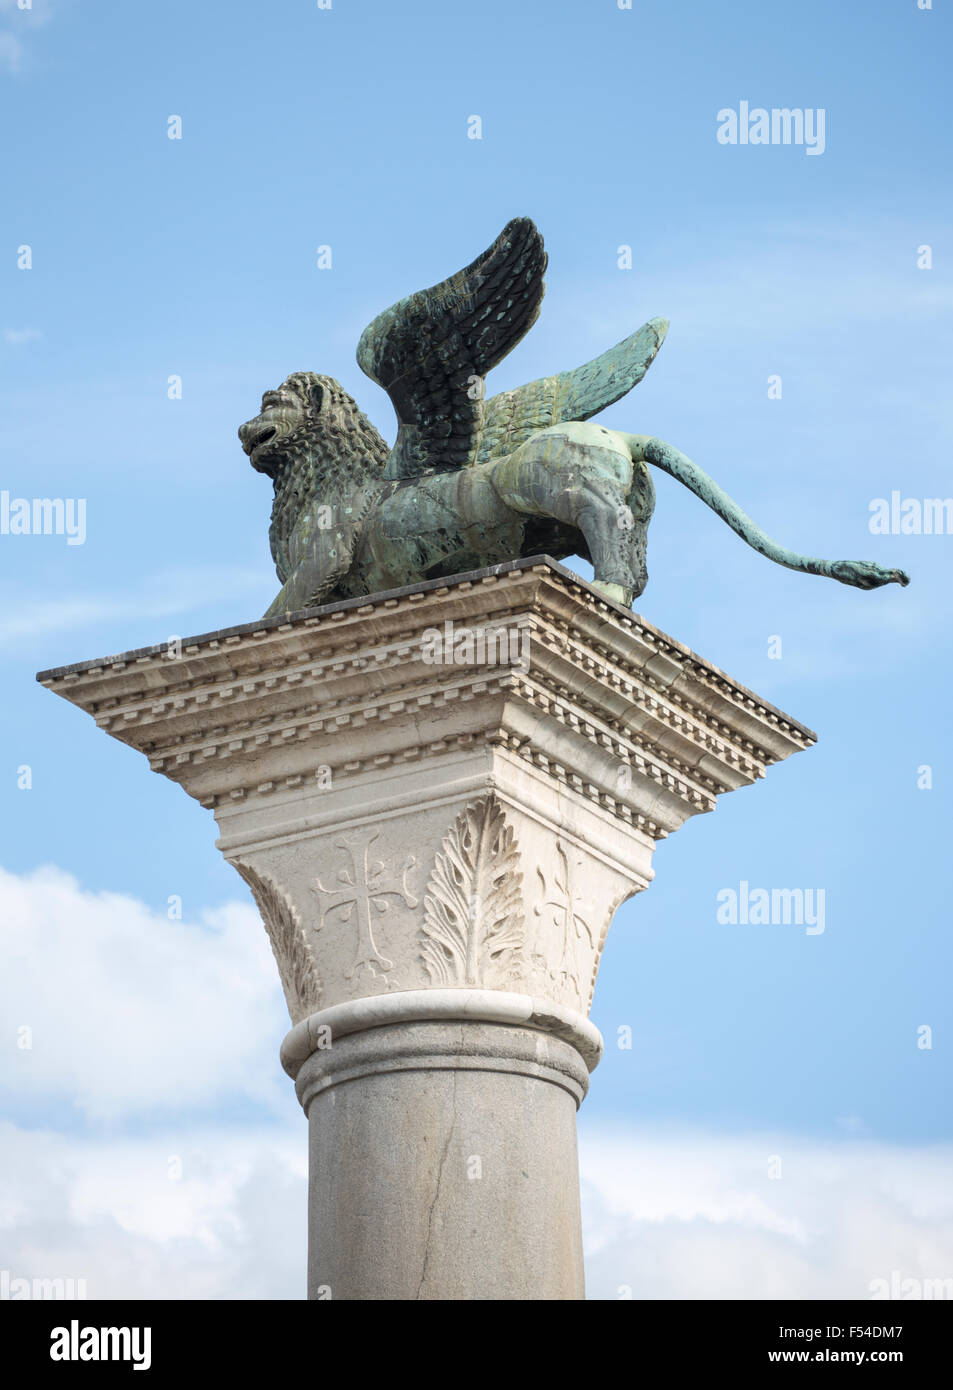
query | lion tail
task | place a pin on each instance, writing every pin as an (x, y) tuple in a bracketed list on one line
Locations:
[(862, 574)]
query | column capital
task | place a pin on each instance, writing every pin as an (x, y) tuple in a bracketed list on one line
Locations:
[(449, 787)]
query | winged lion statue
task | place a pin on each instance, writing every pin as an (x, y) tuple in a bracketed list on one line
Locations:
[(472, 482)]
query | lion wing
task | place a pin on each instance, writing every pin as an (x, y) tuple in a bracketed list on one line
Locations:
[(427, 350), (512, 416)]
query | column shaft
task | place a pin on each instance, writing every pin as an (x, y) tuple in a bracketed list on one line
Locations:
[(443, 1163)]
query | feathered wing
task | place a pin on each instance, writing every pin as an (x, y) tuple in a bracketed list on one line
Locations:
[(427, 350), (512, 416)]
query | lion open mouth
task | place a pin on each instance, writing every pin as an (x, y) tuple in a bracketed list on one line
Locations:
[(254, 438)]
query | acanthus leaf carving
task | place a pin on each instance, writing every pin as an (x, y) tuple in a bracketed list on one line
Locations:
[(296, 964), (473, 908)]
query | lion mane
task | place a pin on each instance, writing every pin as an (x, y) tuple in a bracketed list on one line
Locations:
[(331, 455)]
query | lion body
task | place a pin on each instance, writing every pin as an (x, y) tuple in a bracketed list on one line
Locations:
[(572, 488), (344, 525)]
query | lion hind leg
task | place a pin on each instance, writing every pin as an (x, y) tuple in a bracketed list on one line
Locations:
[(616, 544), (598, 509), (583, 476)]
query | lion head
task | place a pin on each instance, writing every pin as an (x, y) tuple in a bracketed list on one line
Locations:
[(314, 442)]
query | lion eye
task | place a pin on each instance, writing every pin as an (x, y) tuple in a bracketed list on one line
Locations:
[(317, 397)]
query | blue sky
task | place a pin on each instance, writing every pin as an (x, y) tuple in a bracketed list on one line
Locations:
[(197, 257)]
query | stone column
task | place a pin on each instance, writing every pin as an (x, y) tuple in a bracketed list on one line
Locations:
[(443, 1145), (439, 797)]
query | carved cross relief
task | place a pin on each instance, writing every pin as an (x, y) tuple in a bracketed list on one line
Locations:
[(363, 887), (567, 911)]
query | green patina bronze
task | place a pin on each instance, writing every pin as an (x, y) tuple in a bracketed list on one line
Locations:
[(471, 482)]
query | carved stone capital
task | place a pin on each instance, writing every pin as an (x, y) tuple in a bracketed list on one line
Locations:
[(452, 786)]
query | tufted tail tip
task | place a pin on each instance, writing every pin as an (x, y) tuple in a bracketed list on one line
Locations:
[(863, 574)]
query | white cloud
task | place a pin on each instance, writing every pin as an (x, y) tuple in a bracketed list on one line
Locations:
[(789, 277), (130, 1012), (670, 1214), (162, 595), (38, 12), (186, 1213), (17, 336), (11, 49), (11, 52)]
